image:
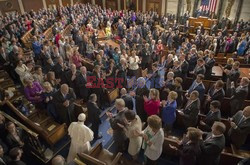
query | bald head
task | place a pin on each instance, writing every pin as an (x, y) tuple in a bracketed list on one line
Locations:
[(246, 111), (83, 70), (58, 160), (64, 89), (123, 91)]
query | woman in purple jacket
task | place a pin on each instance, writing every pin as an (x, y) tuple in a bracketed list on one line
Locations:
[(33, 92)]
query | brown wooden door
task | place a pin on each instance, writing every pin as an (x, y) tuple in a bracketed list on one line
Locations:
[(99, 3), (66, 2), (154, 6), (112, 4), (82, 1)]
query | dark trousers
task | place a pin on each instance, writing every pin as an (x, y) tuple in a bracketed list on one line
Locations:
[(151, 162), (95, 129)]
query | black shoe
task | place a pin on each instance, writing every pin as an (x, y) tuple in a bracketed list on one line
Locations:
[(99, 137)]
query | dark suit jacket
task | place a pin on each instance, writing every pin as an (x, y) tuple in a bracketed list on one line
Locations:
[(80, 83), (211, 149), (189, 152), (239, 135), (199, 70), (93, 113), (234, 75), (68, 76), (66, 114), (209, 65), (11, 141), (128, 101), (16, 163), (210, 119), (219, 95), (118, 132), (184, 69), (200, 88), (238, 96), (191, 112), (60, 73)]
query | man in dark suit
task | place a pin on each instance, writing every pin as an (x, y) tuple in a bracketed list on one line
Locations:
[(64, 102), (198, 86), (71, 77), (216, 92), (212, 145), (184, 66), (233, 75), (127, 98), (239, 94), (214, 28), (146, 56), (200, 67), (16, 155), (212, 116), (60, 68), (81, 81), (209, 64), (124, 45), (15, 136), (240, 127), (94, 115), (191, 110), (117, 124), (176, 69)]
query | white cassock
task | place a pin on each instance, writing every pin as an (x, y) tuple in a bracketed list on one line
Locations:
[(81, 136)]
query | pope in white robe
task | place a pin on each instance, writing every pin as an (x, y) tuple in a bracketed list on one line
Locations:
[(81, 136)]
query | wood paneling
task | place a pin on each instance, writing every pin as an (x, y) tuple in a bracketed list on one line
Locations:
[(154, 5), (8, 6), (113, 4), (52, 2), (99, 3), (66, 2), (82, 1), (32, 5), (140, 5)]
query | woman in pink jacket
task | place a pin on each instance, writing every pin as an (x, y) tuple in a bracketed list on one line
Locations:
[(152, 104)]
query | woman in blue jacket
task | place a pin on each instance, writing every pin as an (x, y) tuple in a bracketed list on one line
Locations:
[(169, 111)]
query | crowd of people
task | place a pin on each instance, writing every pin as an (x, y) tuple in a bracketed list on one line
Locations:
[(54, 77)]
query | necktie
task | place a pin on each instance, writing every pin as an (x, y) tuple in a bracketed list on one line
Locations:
[(1, 160), (241, 120), (208, 139)]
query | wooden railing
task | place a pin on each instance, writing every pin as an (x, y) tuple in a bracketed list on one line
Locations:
[(32, 137), (26, 38)]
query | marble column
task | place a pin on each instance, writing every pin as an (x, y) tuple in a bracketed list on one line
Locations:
[(60, 3), (71, 2), (238, 11), (20, 3), (44, 4), (163, 7), (179, 10), (219, 13), (119, 5), (104, 3), (137, 5), (195, 6), (93, 2), (144, 5)]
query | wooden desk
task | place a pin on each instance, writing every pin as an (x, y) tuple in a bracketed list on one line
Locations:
[(244, 72), (101, 35), (110, 42)]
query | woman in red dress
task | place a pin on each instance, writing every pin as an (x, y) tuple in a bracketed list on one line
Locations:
[(152, 105)]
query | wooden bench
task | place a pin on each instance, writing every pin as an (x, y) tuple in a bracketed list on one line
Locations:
[(99, 156), (45, 126), (227, 156)]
